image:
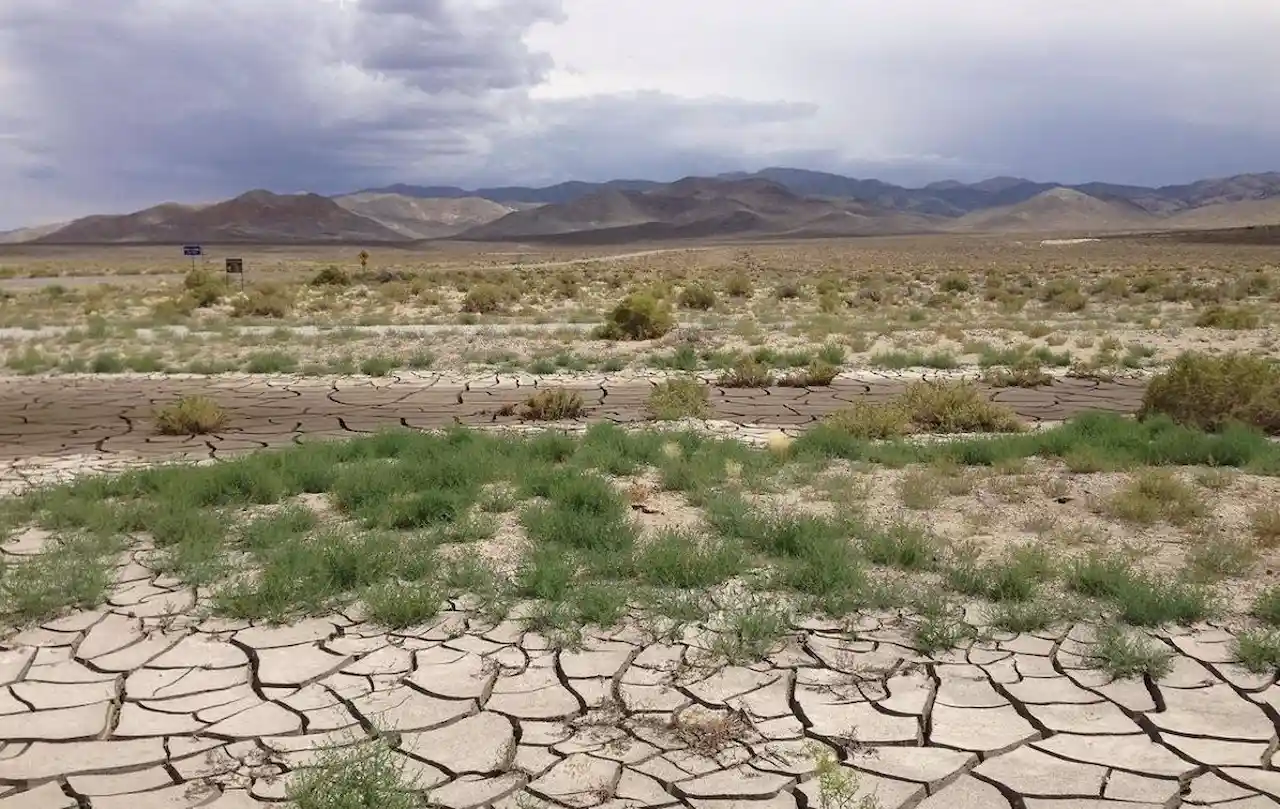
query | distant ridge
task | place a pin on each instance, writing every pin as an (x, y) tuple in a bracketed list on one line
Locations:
[(776, 201)]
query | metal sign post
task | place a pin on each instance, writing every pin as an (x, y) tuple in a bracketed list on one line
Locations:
[(193, 251), (235, 266)]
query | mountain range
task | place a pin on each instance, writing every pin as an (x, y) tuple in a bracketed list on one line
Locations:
[(774, 202)]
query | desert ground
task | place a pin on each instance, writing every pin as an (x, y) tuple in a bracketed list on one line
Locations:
[(929, 521)]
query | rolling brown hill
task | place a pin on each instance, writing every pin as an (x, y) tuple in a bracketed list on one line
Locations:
[(1059, 210), (696, 207), (258, 216), (419, 218)]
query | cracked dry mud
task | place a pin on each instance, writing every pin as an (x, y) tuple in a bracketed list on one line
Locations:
[(144, 705), (105, 418), (148, 704)]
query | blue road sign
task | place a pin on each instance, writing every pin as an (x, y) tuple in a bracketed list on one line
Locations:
[(192, 250)]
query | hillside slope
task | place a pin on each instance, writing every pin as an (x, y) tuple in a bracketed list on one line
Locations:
[(418, 218), (258, 216), (1059, 210)]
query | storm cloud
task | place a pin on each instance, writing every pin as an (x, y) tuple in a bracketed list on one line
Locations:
[(112, 105)]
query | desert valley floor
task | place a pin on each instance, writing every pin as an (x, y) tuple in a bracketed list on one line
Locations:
[(836, 525)]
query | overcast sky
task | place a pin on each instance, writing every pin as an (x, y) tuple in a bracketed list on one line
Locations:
[(113, 105)]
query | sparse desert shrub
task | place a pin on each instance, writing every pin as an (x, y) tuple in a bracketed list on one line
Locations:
[(738, 286), (955, 407), (697, 296), (1026, 373), (1155, 495), (331, 276), (870, 421), (818, 374), (926, 407), (204, 289), (482, 299), (1223, 317), (747, 373), (685, 397), (363, 776), (955, 282), (1208, 392), (787, 290), (638, 317), (191, 415), (264, 301), (553, 404)]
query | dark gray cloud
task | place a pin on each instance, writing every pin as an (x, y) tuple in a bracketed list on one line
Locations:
[(117, 104)]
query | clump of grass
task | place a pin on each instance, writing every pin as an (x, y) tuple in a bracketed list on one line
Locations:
[(639, 316), (1223, 317), (684, 397), (818, 374), (1259, 650), (1141, 599), (191, 415), (1016, 576), (926, 407), (377, 366), (749, 630), (1155, 495), (1266, 606), (1125, 655), (271, 362), (553, 404), (902, 545), (368, 775), (71, 573), (1026, 373), (746, 373), (1209, 392), (1264, 524), (399, 604), (901, 360), (936, 627), (1216, 557), (685, 559)]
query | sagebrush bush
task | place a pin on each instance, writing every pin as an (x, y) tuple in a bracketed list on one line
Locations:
[(267, 300), (1222, 317), (816, 375), (697, 296), (680, 398), (204, 288), (482, 299), (738, 286), (191, 415), (1206, 392), (331, 276), (553, 404), (639, 316), (926, 407), (747, 373)]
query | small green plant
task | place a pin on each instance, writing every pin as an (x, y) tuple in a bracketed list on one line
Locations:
[(1266, 606), (1209, 392), (1125, 655), (1155, 495), (367, 775), (680, 398), (750, 631), (639, 316), (191, 415), (1259, 650), (553, 404), (1264, 524), (838, 786)]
